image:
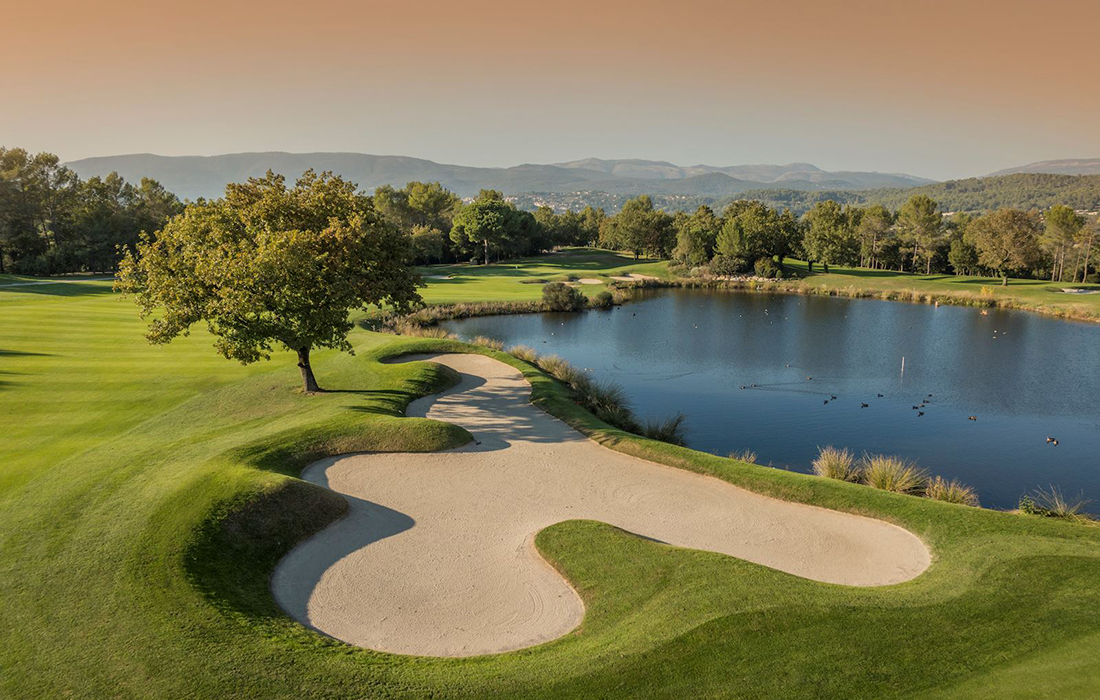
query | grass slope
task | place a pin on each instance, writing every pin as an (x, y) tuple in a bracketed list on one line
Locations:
[(146, 493)]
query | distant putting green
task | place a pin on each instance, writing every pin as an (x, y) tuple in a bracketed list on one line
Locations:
[(146, 494)]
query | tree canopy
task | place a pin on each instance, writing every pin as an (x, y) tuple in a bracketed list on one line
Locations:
[(270, 264)]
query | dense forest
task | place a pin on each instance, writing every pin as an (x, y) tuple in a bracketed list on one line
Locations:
[(976, 194), (52, 222)]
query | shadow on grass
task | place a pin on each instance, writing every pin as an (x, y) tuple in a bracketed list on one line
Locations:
[(22, 353)]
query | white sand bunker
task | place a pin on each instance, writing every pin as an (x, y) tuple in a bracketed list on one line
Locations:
[(633, 276), (590, 280), (436, 554)]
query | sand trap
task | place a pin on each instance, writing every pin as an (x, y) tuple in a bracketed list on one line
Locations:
[(441, 277), (633, 276), (590, 280), (436, 554)]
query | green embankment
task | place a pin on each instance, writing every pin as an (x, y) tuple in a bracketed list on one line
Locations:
[(146, 492)]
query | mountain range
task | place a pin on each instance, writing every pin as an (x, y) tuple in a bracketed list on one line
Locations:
[(192, 177), (1067, 166)]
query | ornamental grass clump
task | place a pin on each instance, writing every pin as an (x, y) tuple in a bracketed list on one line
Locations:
[(893, 474), (833, 463), (952, 491), (524, 353), (491, 343), (1052, 503), (745, 455), (670, 430)]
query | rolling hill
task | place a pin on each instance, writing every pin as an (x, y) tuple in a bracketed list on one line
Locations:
[(192, 177), (1067, 166)]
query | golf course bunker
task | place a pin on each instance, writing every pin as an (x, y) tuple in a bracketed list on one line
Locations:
[(436, 555)]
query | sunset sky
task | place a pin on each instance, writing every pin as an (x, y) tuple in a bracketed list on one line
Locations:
[(936, 88)]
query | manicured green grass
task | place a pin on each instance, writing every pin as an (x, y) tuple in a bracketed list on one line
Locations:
[(1036, 295), (146, 492), (519, 280)]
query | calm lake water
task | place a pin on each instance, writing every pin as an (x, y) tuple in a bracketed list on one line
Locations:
[(1024, 376)]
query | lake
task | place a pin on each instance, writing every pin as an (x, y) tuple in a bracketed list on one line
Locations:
[(757, 371)]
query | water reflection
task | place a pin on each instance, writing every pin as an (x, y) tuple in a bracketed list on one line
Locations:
[(1026, 377)]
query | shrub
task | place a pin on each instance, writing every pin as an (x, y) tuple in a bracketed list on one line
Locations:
[(952, 491), (524, 353), (603, 300), (725, 265), (893, 474), (832, 463), (558, 296), (745, 455), (766, 267), (1051, 503), (491, 343), (670, 430)]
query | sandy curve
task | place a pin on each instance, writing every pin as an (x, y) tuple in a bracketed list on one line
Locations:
[(436, 554)]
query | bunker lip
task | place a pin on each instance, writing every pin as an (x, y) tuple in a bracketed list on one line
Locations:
[(436, 555)]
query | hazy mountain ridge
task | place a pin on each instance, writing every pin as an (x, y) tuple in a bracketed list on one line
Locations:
[(192, 177), (1065, 166)]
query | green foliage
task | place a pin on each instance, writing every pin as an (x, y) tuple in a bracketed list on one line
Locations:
[(920, 225), (696, 236), (52, 223), (963, 256), (558, 296), (640, 228), (1006, 240), (603, 300), (270, 264), (491, 227), (751, 231), (726, 266), (829, 236), (766, 267)]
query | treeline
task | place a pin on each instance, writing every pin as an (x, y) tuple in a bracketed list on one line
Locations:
[(443, 229), (52, 222), (1057, 244)]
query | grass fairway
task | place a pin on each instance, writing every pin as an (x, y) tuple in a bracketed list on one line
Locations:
[(1042, 296), (147, 492)]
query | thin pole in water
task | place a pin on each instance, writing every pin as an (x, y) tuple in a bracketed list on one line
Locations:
[(903, 367)]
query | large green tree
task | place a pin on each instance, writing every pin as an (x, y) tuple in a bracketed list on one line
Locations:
[(920, 224), (494, 224), (1006, 240), (695, 236), (270, 264), (876, 225), (830, 238), (1061, 226), (640, 228)]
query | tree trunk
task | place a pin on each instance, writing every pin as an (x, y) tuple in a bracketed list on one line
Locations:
[(928, 270), (308, 381), (1088, 252), (1004, 279), (486, 242), (809, 266)]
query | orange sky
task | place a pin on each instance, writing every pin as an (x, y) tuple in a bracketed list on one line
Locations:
[(929, 87)]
